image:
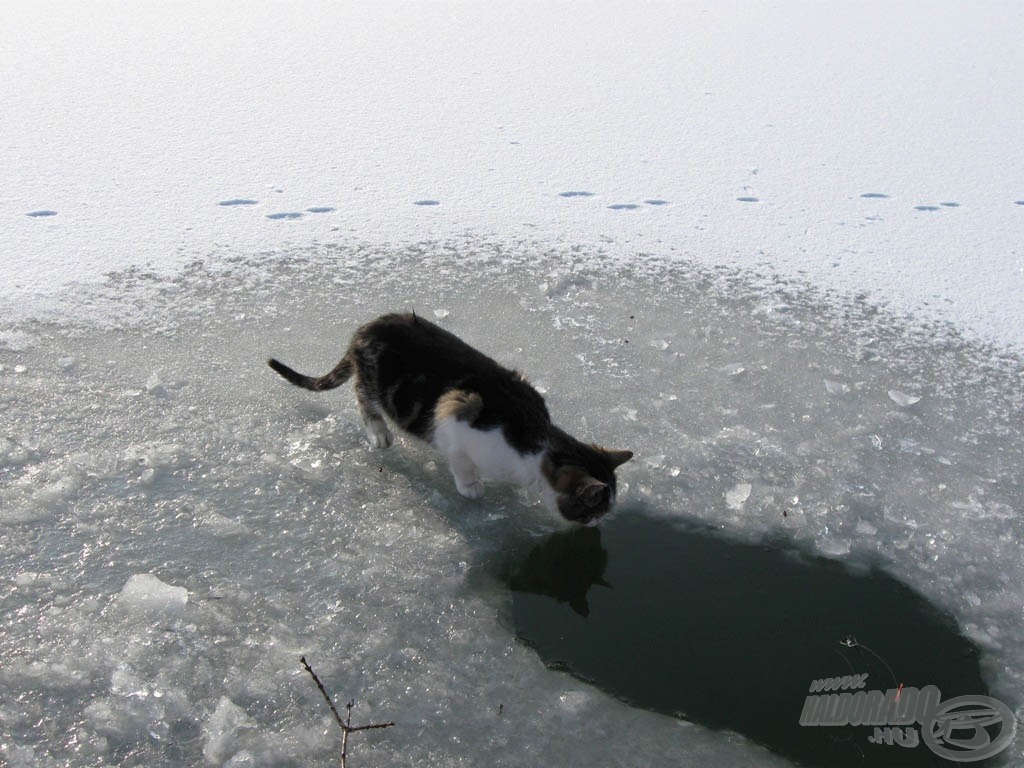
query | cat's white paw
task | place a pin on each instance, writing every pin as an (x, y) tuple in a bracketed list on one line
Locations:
[(472, 490), (379, 434)]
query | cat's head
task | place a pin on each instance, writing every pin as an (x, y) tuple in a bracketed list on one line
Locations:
[(583, 482)]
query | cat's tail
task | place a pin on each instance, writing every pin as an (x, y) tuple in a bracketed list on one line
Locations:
[(338, 376)]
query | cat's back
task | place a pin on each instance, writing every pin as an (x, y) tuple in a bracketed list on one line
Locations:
[(421, 345), (412, 354)]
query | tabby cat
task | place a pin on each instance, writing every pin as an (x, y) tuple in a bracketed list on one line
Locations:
[(486, 419)]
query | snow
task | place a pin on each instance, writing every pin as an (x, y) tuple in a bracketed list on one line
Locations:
[(774, 250), (529, 121)]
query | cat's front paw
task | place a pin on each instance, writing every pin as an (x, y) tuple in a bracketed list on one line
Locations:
[(472, 490)]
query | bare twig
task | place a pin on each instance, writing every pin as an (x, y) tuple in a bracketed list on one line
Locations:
[(346, 724)]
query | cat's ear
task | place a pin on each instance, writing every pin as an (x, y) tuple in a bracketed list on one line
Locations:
[(591, 492), (617, 458)]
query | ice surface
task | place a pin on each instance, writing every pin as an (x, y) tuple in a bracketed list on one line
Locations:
[(168, 468), (141, 434)]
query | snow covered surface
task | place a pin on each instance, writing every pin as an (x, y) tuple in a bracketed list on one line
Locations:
[(177, 526), (804, 136)]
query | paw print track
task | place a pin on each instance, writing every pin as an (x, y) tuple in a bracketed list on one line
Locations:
[(573, 193), (41, 214), (237, 201), (427, 202), (284, 216)]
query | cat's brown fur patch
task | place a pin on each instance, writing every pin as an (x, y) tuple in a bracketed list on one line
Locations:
[(458, 404)]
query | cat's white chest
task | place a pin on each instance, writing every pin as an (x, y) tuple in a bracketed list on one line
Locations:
[(490, 454)]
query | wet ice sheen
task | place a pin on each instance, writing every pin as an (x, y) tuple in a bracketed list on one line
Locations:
[(167, 456)]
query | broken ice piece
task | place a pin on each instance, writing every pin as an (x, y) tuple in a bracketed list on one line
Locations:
[(655, 462), (660, 344), (154, 386), (441, 314), (737, 496), (733, 369), (836, 387), (902, 399), (225, 730), (145, 596)]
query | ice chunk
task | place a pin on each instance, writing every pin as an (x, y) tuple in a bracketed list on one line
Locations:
[(655, 462), (242, 759), (732, 369), (145, 596), (836, 387), (154, 386), (736, 497), (902, 399), (441, 314), (574, 701), (224, 730)]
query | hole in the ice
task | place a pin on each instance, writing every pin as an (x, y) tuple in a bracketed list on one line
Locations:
[(730, 635)]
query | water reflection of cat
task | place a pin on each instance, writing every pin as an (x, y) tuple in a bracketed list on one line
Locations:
[(565, 566)]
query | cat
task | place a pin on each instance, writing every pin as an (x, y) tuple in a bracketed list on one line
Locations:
[(487, 420)]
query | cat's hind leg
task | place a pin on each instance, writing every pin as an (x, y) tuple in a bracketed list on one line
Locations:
[(452, 415), (373, 419), (467, 479)]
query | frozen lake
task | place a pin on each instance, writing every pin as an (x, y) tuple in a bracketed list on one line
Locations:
[(774, 249), (154, 442)]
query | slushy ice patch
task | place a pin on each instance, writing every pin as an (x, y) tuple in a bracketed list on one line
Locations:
[(178, 526)]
